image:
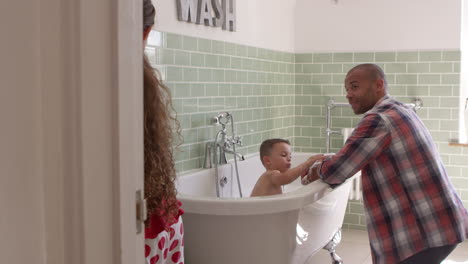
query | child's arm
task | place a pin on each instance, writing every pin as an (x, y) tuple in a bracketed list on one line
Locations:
[(310, 176), (290, 175)]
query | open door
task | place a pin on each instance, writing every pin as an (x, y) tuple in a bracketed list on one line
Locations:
[(130, 119), (111, 56), (91, 77)]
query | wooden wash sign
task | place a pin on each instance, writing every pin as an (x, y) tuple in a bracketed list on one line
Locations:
[(213, 13)]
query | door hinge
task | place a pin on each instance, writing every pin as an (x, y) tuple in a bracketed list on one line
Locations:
[(140, 211)]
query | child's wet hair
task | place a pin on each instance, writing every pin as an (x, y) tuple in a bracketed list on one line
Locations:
[(267, 146)]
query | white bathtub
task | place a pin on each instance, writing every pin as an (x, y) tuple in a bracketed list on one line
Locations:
[(286, 228)]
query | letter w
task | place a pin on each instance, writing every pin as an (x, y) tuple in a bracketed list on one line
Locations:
[(187, 10)]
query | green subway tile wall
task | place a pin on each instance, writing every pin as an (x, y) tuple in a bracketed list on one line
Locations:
[(280, 94), (207, 77)]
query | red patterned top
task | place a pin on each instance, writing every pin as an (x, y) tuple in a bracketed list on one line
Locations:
[(164, 242)]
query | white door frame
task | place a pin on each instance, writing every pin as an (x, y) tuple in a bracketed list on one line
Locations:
[(91, 67)]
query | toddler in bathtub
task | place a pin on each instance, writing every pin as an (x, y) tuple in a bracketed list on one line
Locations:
[(275, 155)]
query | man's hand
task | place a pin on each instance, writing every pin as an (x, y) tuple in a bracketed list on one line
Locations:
[(312, 173)]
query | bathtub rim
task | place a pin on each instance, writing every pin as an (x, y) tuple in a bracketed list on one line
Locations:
[(287, 201)]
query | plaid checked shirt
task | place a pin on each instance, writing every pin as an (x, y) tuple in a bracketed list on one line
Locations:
[(409, 201)]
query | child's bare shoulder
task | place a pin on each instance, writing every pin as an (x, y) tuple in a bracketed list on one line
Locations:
[(270, 173)]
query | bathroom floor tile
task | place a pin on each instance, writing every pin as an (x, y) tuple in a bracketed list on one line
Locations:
[(321, 257), (354, 249), (459, 255), (368, 260), (461, 249), (456, 260), (349, 253), (355, 236)]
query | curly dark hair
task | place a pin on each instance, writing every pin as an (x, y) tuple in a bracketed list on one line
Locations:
[(159, 187)]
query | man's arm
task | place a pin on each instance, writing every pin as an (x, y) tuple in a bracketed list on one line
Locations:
[(370, 138)]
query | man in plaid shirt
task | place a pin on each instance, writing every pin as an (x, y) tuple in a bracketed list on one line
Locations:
[(413, 213)]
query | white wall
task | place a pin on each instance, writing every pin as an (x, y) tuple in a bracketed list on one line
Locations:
[(377, 25), (260, 23), (22, 237), (325, 26), (463, 114)]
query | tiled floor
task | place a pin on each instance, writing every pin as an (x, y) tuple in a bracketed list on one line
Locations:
[(354, 249)]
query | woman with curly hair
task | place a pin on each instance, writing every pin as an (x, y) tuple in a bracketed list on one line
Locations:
[(164, 229)]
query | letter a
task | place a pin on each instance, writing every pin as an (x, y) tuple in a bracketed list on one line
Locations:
[(205, 13)]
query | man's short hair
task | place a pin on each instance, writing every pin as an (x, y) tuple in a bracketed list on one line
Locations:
[(267, 146), (373, 70)]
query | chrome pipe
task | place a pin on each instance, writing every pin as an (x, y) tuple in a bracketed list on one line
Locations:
[(208, 156), (328, 129), (330, 105), (416, 105), (215, 146)]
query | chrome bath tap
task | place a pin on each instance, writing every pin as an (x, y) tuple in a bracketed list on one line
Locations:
[(228, 147), (237, 154), (221, 145)]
